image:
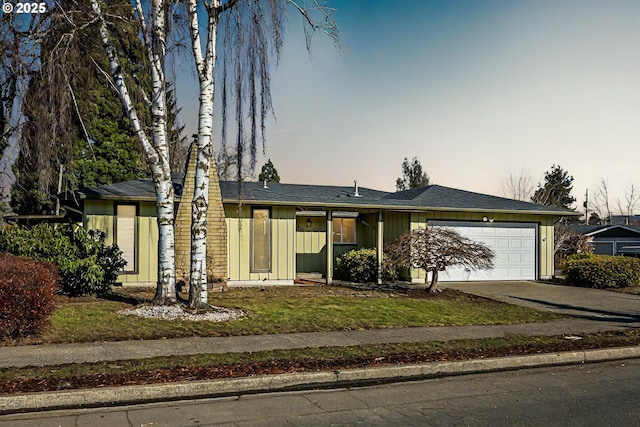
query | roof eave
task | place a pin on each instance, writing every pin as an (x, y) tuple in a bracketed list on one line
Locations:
[(120, 198), (401, 207)]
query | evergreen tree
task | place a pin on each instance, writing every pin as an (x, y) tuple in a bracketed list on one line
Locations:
[(412, 175), (269, 173), (556, 190), (76, 135)]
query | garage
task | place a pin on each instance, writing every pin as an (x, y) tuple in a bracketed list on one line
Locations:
[(513, 243)]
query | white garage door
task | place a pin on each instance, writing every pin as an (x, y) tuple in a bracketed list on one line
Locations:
[(513, 244)]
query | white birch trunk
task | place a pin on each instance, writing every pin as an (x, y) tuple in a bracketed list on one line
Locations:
[(12, 149), (156, 153), (200, 202)]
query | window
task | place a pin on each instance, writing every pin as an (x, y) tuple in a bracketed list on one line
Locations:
[(344, 230), (126, 234), (261, 241)]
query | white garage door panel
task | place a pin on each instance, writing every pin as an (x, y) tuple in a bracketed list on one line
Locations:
[(513, 244)]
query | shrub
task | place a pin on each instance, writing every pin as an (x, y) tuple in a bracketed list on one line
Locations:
[(85, 263), (27, 296), (602, 271), (361, 265)]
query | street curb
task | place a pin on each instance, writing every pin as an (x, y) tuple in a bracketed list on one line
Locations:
[(125, 395)]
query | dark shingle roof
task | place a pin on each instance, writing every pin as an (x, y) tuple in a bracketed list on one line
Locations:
[(299, 193), (606, 230), (137, 189), (430, 197), (437, 196), (433, 196)]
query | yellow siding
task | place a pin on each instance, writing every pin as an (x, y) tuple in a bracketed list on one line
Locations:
[(283, 228), (311, 245), (419, 220), (366, 230), (311, 249), (547, 263), (98, 207), (99, 215)]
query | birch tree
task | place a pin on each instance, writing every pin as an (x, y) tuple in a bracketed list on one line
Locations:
[(252, 31), (252, 34), (155, 147)]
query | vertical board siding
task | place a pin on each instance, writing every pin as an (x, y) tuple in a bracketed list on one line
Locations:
[(100, 215), (283, 223), (547, 253), (311, 250), (395, 223), (418, 220), (366, 233)]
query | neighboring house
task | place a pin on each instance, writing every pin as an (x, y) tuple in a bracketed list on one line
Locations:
[(609, 239), (631, 220), (271, 234)]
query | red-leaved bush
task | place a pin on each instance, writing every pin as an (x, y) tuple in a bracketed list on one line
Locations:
[(27, 296)]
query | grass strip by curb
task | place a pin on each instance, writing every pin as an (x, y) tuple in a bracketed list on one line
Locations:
[(207, 366)]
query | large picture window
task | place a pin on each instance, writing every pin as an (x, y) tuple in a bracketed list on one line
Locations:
[(261, 241), (126, 234), (344, 230)]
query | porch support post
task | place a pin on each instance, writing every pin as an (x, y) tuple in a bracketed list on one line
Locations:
[(380, 245), (329, 245)]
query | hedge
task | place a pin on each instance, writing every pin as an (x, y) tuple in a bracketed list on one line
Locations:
[(602, 271), (27, 296)]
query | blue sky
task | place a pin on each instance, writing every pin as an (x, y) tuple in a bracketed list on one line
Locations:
[(475, 89)]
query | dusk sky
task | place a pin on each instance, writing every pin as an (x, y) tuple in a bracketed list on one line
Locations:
[(475, 89)]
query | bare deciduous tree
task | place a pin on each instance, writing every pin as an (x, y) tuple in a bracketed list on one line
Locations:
[(600, 203), (627, 207), (519, 187), (572, 243), (434, 249)]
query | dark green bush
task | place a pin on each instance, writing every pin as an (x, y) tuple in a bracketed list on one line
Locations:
[(602, 271), (85, 263), (27, 296), (361, 266)]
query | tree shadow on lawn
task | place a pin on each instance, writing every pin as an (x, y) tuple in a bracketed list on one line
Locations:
[(129, 298)]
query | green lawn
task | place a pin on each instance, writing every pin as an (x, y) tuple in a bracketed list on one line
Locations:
[(282, 310)]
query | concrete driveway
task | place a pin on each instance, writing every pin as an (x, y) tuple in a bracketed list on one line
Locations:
[(593, 304)]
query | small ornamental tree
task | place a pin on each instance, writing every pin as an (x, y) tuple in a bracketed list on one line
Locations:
[(434, 249)]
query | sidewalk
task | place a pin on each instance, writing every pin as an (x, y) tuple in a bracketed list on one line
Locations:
[(56, 354)]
